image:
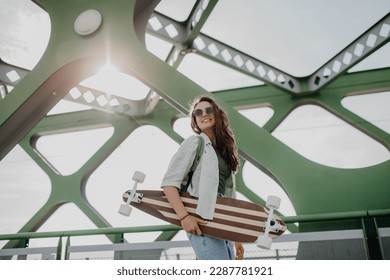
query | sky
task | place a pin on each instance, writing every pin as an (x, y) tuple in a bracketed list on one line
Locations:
[(285, 40)]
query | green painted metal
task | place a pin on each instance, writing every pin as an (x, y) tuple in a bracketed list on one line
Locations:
[(336, 216), (59, 249), (169, 231), (67, 248), (70, 58), (87, 232), (168, 228), (372, 239)]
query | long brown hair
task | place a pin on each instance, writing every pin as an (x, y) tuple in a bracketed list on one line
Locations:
[(225, 140)]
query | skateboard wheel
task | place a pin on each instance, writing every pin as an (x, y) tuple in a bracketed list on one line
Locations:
[(273, 202), (125, 210), (139, 176), (264, 242)]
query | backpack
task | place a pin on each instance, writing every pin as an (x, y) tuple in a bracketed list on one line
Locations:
[(199, 151)]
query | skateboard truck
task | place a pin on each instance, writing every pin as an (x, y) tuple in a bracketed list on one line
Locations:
[(264, 241), (133, 196)]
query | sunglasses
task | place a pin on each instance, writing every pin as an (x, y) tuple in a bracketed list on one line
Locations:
[(199, 112)]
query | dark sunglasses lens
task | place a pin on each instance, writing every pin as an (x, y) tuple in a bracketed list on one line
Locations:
[(198, 113), (209, 110)]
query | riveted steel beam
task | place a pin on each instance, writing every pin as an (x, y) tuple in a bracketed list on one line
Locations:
[(10, 74), (181, 34), (242, 62), (362, 47)]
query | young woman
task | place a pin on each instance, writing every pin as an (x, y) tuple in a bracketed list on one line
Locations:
[(213, 176)]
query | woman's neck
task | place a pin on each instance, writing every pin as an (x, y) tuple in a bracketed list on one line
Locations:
[(211, 136)]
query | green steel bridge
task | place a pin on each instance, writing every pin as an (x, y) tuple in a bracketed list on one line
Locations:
[(85, 35)]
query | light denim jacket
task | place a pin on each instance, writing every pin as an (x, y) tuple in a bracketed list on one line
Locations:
[(205, 178)]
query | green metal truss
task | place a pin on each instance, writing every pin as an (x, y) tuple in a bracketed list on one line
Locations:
[(71, 58)]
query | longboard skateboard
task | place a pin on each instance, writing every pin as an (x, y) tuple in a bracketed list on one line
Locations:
[(234, 219)]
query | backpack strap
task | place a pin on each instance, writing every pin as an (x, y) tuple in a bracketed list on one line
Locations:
[(198, 156)]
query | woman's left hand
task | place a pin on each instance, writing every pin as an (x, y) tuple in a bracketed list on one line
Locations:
[(239, 250)]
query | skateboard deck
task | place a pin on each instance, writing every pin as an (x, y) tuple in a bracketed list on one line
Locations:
[(234, 219)]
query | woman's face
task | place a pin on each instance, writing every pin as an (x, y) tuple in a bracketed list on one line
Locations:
[(205, 116)]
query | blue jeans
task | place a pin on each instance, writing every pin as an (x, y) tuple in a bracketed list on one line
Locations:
[(210, 248)]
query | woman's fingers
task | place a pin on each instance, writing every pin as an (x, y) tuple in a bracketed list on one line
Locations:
[(190, 225)]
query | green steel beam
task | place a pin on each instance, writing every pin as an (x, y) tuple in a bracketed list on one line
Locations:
[(370, 41), (99, 231), (171, 228), (360, 181), (6, 68), (71, 189), (239, 61), (373, 39), (199, 14), (183, 33), (364, 82), (71, 58), (302, 179)]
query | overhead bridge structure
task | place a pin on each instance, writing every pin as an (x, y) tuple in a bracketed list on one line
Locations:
[(251, 57)]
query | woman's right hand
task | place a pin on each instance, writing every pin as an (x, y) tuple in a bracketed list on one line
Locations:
[(190, 224)]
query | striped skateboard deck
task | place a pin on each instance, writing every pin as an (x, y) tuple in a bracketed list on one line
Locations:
[(234, 219)]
